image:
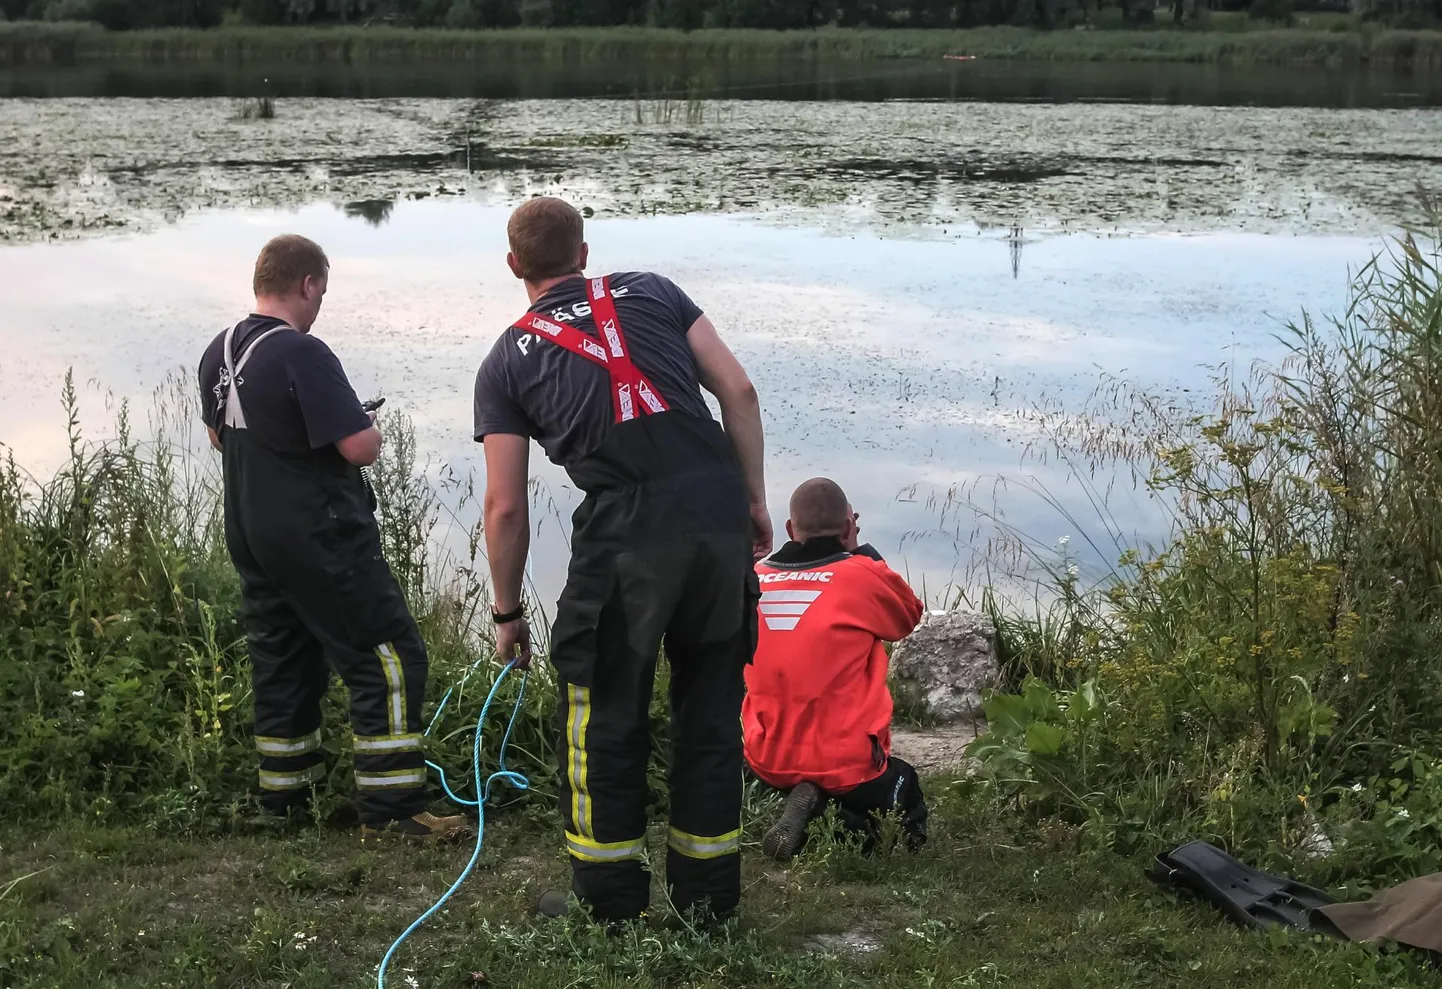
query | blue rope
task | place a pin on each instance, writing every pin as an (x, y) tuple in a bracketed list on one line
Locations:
[(502, 773)]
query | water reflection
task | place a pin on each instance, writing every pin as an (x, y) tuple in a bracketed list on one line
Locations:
[(375, 212), (896, 365)]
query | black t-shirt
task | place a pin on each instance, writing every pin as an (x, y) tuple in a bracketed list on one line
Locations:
[(296, 395), (532, 386)]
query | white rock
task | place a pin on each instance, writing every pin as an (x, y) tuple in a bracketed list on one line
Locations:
[(946, 664)]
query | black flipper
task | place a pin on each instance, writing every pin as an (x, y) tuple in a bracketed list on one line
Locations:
[(1249, 897)]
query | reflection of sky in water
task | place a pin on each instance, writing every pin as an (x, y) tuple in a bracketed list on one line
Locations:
[(896, 366)]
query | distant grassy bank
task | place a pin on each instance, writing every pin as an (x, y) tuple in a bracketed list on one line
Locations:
[(37, 43)]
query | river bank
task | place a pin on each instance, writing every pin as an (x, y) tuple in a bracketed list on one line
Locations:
[(26, 43)]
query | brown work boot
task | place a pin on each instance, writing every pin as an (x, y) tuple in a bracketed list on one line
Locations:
[(425, 826), (787, 835)]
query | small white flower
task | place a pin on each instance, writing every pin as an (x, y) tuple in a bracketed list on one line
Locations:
[(1356, 787), (1402, 814), (412, 981), (1072, 570), (1346, 678), (1063, 541), (77, 693)]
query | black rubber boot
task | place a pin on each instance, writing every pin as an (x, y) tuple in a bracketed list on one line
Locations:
[(787, 835), (553, 904)]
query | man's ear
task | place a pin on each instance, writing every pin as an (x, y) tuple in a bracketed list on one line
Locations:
[(583, 257), (515, 266), (790, 533)]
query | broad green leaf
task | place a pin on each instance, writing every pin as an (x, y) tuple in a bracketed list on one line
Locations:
[(1044, 739), (1007, 715)]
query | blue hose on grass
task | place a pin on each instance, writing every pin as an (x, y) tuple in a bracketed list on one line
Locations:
[(483, 794)]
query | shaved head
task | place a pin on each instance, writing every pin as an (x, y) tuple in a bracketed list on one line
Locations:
[(819, 508)]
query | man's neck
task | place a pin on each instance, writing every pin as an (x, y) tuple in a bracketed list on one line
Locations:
[(277, 309), (534, 290)]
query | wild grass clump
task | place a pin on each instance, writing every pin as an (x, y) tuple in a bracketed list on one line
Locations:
[(1272, 669), (125, 690)]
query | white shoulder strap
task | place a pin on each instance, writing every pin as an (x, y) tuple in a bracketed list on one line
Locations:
[(234, 414)]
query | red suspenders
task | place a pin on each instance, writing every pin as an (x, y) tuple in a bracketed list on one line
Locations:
[(628, 384)]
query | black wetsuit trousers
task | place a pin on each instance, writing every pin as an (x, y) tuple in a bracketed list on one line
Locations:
[(896, 791)]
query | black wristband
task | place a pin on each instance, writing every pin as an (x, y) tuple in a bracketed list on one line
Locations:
[(510, 616)]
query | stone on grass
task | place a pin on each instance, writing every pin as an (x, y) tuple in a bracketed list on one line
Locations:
[(944, 666)]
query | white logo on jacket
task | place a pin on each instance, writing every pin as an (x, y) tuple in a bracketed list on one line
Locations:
[(822, 576), (783, 609)]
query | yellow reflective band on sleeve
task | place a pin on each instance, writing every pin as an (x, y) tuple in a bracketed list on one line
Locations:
[(699, 847), (577, 721), (294, 779), (372, 744), (588, 850), (272, 745), (396, 687), (394, 779)]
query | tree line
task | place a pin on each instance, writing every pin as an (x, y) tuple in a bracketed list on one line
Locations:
[(690, 14)]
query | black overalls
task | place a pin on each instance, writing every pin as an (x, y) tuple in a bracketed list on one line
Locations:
[(302, 533), (660, 553)]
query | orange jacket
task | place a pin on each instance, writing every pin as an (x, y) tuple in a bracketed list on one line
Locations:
[(817, 705)]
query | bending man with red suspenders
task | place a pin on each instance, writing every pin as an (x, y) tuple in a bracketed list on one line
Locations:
[(606, 374)]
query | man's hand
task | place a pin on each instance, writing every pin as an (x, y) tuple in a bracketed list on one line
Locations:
[(761, 533), (513, 642)]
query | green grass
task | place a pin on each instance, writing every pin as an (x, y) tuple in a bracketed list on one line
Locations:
[(316, 909), (65, 43)]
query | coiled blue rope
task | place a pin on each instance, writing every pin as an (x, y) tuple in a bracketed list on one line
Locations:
[(483, 793)]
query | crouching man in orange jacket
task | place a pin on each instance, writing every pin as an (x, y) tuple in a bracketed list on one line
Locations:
[(817, 715)]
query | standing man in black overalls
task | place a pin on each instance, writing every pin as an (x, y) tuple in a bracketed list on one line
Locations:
[(301, 529), (606, 373)]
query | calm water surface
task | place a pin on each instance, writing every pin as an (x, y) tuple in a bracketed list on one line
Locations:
[(909, 265), (898, 365)]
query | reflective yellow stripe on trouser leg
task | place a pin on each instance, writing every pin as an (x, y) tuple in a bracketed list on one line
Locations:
[(276, 746), (386, 744), (393, 779), (588, 850), (395, 687), (578, 719), (704, 847), (291, 779)]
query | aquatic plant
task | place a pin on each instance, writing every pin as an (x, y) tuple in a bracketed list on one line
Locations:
[(260, 108)]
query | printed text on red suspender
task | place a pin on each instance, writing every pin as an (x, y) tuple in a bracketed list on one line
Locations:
[(628, 384)]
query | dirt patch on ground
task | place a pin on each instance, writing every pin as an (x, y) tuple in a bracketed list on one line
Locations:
[(937, 750)]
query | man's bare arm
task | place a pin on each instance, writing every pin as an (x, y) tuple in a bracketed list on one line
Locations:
[(507, 516), (363, 448), (722, 375)]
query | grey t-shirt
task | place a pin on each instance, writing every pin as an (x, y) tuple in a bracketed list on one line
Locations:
[(531, 386)]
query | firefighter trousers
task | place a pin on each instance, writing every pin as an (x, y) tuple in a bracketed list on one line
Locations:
[(698, 597), (355, 620)]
